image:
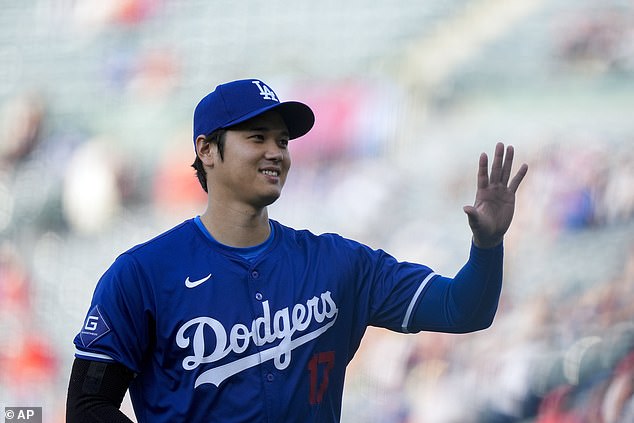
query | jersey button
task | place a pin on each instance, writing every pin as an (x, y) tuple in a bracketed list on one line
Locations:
[(255, 274), (258, 296), (270, 377)]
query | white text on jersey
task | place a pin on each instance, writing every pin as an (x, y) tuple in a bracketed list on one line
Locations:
[(263, 330)]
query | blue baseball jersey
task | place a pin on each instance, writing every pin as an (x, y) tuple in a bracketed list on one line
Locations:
[(215, 337)]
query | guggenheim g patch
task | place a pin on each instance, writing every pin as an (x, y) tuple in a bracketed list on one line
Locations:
[(94, 328)]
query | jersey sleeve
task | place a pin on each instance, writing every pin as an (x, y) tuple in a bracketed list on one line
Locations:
[(388, 288), (465, 303), (118, 324)]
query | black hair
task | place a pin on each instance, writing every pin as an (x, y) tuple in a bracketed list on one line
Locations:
[(217, 137)]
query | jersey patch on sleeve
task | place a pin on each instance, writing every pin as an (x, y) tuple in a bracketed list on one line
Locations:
[(94, 327)]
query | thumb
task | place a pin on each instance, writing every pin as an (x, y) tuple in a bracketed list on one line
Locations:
[(472, 215)]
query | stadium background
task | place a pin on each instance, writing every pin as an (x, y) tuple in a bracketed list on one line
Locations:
[(95, 145)]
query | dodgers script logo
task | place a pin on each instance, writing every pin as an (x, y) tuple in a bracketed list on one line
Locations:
[(262, 331)]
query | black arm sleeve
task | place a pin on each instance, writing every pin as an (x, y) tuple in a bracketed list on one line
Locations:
[(95, 392)]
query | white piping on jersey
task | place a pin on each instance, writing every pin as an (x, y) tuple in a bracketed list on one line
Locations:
[(410, 308), (81, 353)]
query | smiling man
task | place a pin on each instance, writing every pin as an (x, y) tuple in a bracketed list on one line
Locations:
[(252, 177), (234, 317)]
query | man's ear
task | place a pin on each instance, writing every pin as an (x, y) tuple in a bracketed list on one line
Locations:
[(205, 150)]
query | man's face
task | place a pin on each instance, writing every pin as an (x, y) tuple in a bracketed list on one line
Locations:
[(256, 162)]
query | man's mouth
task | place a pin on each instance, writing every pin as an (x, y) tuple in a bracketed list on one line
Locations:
[(269, 172)]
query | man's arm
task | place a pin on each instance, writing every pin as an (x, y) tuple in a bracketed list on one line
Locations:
[(95, 392), (469, 301), (466, 303)]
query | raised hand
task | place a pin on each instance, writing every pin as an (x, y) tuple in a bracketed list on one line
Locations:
[(492, 212)]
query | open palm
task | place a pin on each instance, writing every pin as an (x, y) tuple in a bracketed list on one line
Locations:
[(492, 212)]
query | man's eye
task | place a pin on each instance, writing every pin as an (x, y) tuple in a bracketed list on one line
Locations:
[(257, 137), (283, 143)]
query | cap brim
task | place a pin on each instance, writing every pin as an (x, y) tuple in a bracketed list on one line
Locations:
[(298, 117)]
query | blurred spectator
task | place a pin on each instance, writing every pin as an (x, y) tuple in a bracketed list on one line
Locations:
[(28, 361), (20, 128), (598, 41), (618, 404), (14, 284), (354, 119), (155, 74), (584, 185), (91, 17), (617, 199), (175, 189), (93, 189), (134, 11)]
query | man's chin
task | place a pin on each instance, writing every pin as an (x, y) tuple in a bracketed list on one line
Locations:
[(267, 200)]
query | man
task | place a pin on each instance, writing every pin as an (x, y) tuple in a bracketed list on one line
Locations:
[(233, 317)]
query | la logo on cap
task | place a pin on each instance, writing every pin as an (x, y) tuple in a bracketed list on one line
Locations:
[(266, 92), (234, 102)]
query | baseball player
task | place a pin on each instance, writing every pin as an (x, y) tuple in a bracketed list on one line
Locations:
[(233, 317)]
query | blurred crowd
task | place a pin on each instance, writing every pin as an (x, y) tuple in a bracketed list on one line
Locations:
[(72, 196), (561, 350), (598, 42)]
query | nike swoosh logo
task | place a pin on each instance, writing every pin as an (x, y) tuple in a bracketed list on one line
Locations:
[(194, 284)]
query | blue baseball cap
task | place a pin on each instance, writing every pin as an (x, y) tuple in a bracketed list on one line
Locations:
[(237, 101)]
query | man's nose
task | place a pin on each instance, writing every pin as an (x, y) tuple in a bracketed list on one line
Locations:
[(274, 152)]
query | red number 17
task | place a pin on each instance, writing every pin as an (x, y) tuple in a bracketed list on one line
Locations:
[(323, 361)]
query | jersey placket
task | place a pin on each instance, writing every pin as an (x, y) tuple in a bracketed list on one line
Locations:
[(269, 375)]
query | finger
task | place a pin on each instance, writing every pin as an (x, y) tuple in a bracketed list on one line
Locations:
[(517, 179), (483, 171), (496, 166), (508, 164)]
